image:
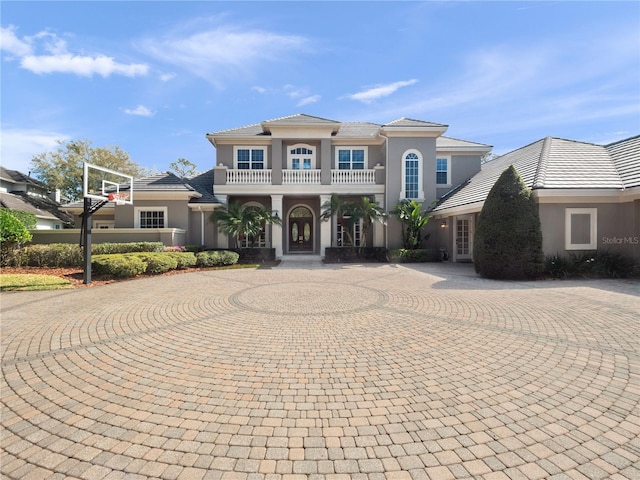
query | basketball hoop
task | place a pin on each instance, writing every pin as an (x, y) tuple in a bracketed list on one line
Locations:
[(118, 198)]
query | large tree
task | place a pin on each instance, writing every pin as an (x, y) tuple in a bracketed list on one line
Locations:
[(62, 169), (508, 238), (183, 168)]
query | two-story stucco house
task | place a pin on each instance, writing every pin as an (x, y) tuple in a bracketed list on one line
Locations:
[(294, 164), (588, 195)]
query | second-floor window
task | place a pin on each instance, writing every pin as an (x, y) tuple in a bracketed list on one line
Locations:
[(351, 158), (250, 158), (302, 157), (442, 171), (412, 175)]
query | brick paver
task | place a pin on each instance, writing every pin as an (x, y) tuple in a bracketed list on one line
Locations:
[(323, 372)]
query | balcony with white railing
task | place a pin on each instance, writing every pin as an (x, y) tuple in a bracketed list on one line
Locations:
[(301, 177), (248, 177), (353, 177)]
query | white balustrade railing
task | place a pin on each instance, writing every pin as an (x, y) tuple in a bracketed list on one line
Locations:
[(353, 177), (301, 177), (249, 177)]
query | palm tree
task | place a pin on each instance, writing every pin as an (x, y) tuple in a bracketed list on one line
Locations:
[(349, 212), (243, 221), (410, 213)]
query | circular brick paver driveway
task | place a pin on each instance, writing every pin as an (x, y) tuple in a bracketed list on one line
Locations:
[(328, 372)]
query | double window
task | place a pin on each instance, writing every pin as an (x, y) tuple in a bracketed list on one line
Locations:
[(351, 158), (302, 157), (150, 217), (250, 158)]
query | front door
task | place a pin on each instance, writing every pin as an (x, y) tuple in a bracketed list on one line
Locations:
[(463, 238), (301, 230)]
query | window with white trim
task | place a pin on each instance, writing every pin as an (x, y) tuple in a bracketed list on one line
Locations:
[(443, 174), (261, 240), (150, 217), (301, 157), (351, 158), (250, 158), (581, 228), (412, 175), (343, 240)]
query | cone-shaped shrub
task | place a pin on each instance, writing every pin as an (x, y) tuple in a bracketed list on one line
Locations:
[(508, 238)]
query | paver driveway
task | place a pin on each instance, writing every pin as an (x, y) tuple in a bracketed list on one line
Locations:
[(332, 372)]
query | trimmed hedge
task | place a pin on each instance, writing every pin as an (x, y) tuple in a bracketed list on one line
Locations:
[(118, 265), (421, 255), (106, 248), (255, 255), (216, 258), (352, 255)]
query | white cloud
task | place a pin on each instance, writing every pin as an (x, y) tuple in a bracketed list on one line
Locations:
[(309, 100), (58, 59), (166, 77), (260, 90), (84, 66), (10, 43), (140, 111), (19, 146), (374, 93), (222, 53)]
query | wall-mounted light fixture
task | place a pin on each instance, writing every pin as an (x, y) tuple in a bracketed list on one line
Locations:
[(443, 224)]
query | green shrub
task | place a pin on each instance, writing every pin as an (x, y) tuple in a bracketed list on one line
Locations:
[(106, 248), (118, 265), (591, 264), (183, 259), (29, 220), (156, 262), (216, 258), (508, 238), (51, 255), (12, 233), (422, 255)]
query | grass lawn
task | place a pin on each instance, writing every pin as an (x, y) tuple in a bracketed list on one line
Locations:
[(32, 281)]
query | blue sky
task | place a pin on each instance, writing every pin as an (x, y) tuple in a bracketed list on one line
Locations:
[(154, 77)]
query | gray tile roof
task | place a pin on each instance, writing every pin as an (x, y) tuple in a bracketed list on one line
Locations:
[(626, 158), (203, 184), (164, 182), (443, 142), (410, 122), (344, 129), (19, 177), (555, 163)]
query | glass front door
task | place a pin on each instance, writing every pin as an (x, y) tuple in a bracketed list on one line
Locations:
[(463, 238), (301, 230)]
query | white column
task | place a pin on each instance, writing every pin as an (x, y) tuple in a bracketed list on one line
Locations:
[(325, 227), (222, 240), (276, 230), (378, 228)]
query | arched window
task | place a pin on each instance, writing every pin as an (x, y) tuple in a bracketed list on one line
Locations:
[(301, 157), (261, 239), (412, 176)]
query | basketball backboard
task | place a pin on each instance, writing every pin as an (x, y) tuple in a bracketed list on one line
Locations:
[(101, 183)]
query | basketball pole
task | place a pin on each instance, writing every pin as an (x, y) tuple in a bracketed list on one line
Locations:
[(86, 241)]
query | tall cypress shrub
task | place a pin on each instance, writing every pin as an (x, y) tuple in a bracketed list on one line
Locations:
[(508, 238)]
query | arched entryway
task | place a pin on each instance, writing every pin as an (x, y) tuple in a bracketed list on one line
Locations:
[(300, 231)]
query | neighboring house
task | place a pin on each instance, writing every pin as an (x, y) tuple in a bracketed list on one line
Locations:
[(21, 192), (588, 197)]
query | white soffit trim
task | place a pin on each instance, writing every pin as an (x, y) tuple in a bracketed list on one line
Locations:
[(585, 195), (460, 210), (142, 195)]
